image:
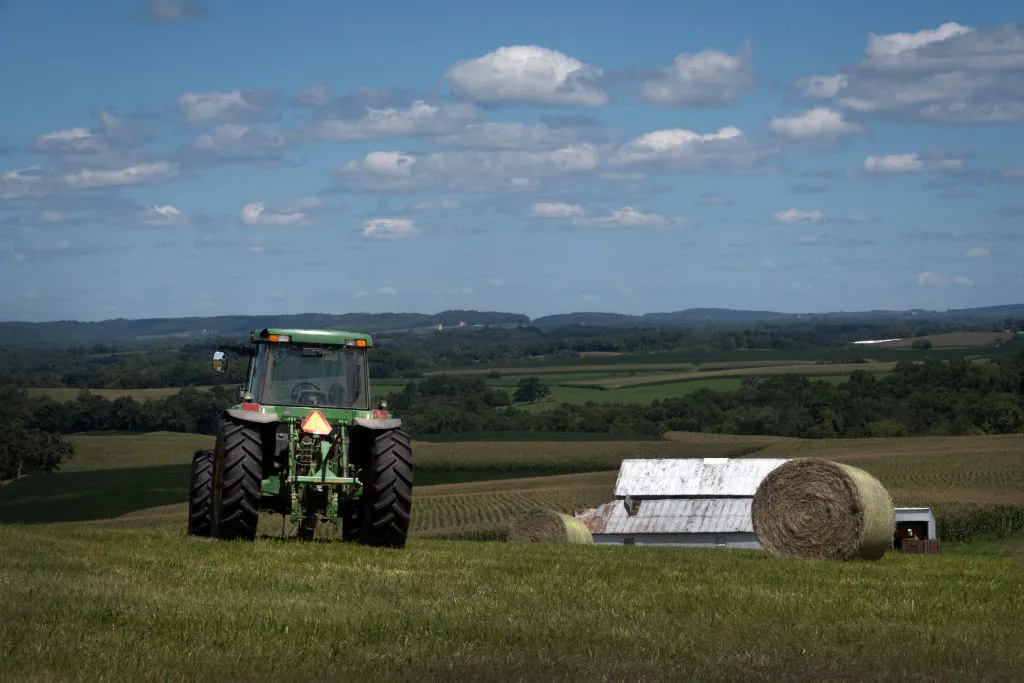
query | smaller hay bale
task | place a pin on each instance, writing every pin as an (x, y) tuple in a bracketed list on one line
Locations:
[(548, 526), (818, 509)]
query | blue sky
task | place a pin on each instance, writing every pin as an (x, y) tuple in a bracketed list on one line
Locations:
[(163, 158)]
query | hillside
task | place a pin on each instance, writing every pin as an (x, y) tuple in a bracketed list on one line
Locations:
[(124, 330)]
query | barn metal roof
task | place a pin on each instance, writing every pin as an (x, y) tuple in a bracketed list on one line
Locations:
[(672, 516), (693, 477)]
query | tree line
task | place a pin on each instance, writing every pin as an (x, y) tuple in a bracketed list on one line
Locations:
[(937, 397), (934, 398)]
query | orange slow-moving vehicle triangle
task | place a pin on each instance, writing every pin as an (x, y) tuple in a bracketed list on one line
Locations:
[(315, 423)]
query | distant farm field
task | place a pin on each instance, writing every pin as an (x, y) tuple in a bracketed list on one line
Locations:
[(65, 394), (951, 340), (833, 369), (643, 383), (474, 487)]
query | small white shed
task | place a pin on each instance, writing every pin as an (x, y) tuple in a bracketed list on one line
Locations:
[(921, 521), (682, 502)]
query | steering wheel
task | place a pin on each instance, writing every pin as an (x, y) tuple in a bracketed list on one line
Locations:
[(297, 390)]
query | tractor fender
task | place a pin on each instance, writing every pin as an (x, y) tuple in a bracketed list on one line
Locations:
[(251, 416), (393, 423)]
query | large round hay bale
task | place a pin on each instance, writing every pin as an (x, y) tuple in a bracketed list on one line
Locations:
[(547, 526), (814, 508)]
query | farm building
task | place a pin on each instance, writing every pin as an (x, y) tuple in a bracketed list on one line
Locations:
[(681, 502), (701, 502), (914, 523)]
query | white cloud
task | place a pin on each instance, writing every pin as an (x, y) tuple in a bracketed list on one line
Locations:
[(685, 150), (949, 74), (978, 252), (529, 74), (465, 170), (821, 87), (388, 290), (297, 214), (932, 279), (706, 78), (522, 136), (808, 239), (163, 216), (241, 137), (103, 147), (911, 163), (815, 123), (628, 217), (888, 49), (133, 175), (21, 183), (556, 210), (388, 163), (389, 229), (236, 105), (316, 95), (70, 140), (420, 119), (792, 216)]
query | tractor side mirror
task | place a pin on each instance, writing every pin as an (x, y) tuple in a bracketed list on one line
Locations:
[(220, 362)]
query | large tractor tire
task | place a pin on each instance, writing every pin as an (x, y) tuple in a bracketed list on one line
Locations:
[(200, 499), (387, 491), (239, 481)]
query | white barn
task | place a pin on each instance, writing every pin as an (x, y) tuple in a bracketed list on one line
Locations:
[(682, 502), (700, 502)]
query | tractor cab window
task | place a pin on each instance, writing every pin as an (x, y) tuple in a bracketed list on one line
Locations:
[(330, 377)]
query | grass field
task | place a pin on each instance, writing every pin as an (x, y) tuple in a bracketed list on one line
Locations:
[(118, 591), (83, 603)]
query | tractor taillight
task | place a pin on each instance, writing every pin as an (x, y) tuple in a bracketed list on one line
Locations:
[(255, 407), (380, 414), (316, 423)]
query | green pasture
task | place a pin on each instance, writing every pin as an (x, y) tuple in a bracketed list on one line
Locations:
[(84, 603)]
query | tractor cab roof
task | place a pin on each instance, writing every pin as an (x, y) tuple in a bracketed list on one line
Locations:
[(331, 337)]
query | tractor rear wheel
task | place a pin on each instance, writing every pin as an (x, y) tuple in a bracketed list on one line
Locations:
[(200, 499), (387, 491), (240, 480)]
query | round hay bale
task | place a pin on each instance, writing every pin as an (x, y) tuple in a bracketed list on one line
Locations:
[(818, 509), (547, 526)]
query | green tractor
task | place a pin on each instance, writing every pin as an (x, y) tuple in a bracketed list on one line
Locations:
[(305, 443)]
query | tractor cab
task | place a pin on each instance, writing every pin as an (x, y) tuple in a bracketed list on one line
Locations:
[(305, 368)]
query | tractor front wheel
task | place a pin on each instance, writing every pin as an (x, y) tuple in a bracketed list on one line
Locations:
[(387, 491), (239, 481), (200, 499)]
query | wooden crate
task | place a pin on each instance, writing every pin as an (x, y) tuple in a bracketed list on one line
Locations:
[(921, 546)]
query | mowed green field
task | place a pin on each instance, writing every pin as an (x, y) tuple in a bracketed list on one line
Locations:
[(127, 595), (83, 603)]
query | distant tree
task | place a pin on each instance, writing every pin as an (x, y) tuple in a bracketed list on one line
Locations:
[(921, 344), (530, 389), (25, 450)]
